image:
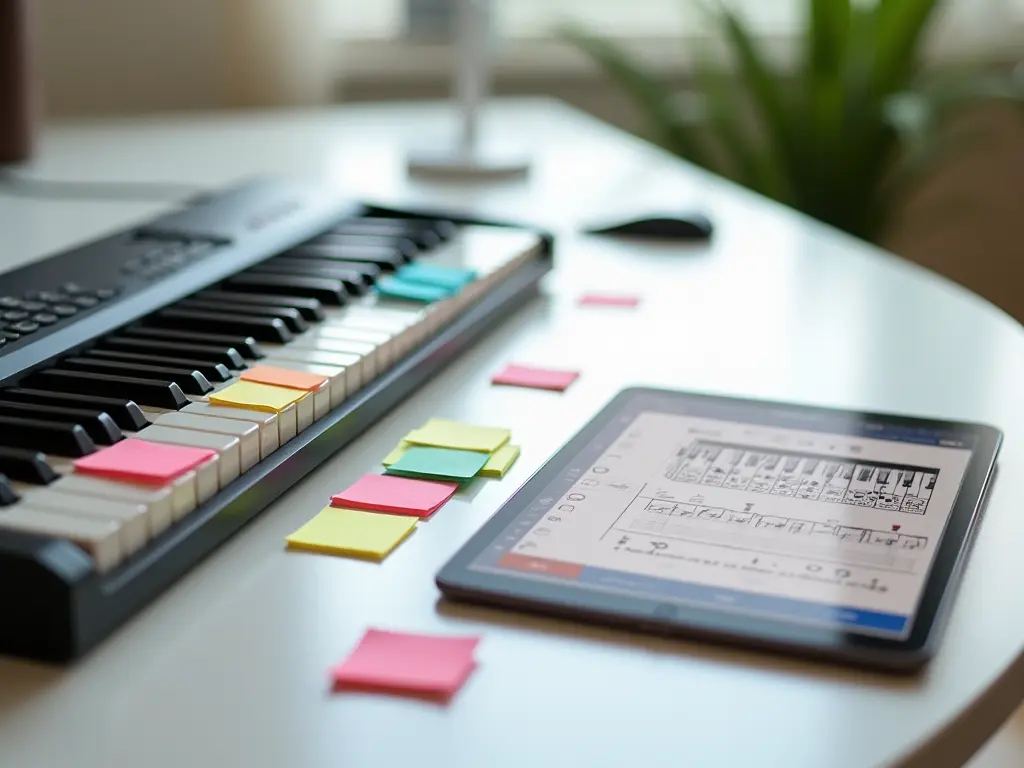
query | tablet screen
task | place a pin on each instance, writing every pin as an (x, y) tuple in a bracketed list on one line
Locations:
[(828, 520)]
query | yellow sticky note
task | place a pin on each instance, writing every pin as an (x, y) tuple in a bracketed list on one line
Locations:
[(396, 453), (442, 433), (501, 461), (261, 397), (338, 531)]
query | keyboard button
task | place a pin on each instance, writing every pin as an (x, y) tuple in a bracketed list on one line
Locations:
[(327, 292), (3, 341), (192, 382), (14, 315), (292, 318), (45, 318), (99, 425), (125, 413), (130, 519), (85, 302), (267, 423), (157, 502), (155, 393), (226, 446), (33, 306), (260, 328), (105, 294), (310, 309), (35, 434), (24, 327), (26, 466), (248, 434), (8, 495), (355, 282), (212, 371), (72, 289), (156, 348), (51, 297), (98, 538), (64, 310), (9, 302), (387, 259), (8, 335)]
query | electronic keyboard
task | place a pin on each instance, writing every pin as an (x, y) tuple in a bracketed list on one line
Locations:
[(143, 335)]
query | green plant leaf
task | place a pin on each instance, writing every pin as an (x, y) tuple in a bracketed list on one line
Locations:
[(899, 26), (828, 36), (764, 91), (655, 100)]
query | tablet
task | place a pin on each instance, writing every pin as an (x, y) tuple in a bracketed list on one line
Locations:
[(826, 532)]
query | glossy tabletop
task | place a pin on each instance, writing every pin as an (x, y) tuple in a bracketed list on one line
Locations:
[(229, 667)]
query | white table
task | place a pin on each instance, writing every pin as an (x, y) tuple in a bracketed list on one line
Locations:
[(229, 668)]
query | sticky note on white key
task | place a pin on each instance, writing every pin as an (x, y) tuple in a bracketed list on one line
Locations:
[(157, 501), (99, 538), (227, 447), (248, 434)]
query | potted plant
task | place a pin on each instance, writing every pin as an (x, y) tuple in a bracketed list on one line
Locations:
[(841, 135)]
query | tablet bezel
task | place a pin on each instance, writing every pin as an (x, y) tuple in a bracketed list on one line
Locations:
[(458, 582)]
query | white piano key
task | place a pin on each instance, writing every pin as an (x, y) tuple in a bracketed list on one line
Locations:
[(131, 519), (248, 434), (304, 413), (335, 376), (381, 340), (187, 488), (207, 480), (321, 400), (227, 447), (270, 439), (366, 352), (158, 501), (99, 538)]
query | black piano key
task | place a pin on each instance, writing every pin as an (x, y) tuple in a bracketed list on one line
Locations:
[(158, 347), (34, 434), (356, 281), (245, 346), (260, 328), (387, 259), (426, 234), (292, 318), (367, 271), (401, 245), (192, 382), (212, 371), (311, 309), (125, 413), (324, 290), (98, 424), (152, 392), (26, 466), (8, 495), (443, 228)]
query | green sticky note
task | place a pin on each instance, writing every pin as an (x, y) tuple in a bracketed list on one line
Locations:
[(449, 278), (439, 464), (394, 288)]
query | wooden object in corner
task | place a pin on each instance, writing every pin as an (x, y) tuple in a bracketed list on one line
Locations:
[(17, 96)]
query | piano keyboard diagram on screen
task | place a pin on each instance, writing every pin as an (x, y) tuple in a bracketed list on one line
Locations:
[(891, 487)]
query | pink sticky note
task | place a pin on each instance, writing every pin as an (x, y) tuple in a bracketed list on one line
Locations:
[(139, 461), (399, 495), (538, 378), (608, 300), (421, 664)]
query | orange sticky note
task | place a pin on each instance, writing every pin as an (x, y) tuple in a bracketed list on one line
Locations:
[(140, 461), (398, 495), (432, 665), (282, 377)]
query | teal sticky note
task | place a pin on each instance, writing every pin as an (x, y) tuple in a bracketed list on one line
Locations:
[(450, 278), (439, 463), (394, 288)]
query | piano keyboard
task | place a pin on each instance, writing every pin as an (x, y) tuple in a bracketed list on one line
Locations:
[(240, 342)]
